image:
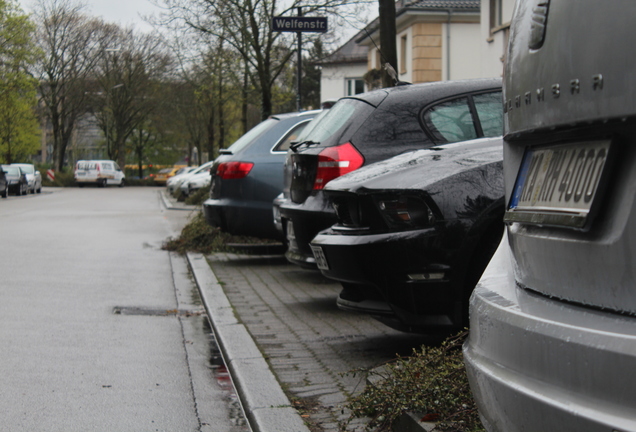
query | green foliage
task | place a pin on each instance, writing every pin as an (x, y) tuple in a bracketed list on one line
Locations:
[(198, 197), (19, 134), (432, 381), (62, 179)]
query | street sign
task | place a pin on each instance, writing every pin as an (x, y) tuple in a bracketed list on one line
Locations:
[(299, 24)]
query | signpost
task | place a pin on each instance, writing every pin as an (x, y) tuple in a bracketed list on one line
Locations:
[(300, 25)]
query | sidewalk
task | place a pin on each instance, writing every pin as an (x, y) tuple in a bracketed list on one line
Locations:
[(279, 328), (286, 344)]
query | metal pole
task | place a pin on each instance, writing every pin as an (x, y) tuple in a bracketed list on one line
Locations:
[(300, 68)]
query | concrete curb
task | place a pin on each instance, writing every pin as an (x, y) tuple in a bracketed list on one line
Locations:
[(172, 204), (266, 406)]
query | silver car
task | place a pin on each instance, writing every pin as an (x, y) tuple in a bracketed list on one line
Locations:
[(34, 178), (552, 343)]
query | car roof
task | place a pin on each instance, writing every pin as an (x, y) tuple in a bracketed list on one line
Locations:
[(433, 90)]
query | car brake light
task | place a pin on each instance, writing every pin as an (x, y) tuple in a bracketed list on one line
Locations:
[(234, 170), (336, 161)]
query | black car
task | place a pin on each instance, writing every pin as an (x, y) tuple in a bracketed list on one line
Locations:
[(248, 175), (17, 179), (375, 126), (4, 184), (414, 234)]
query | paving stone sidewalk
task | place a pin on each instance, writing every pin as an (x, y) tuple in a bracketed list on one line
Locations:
[(308, 342)]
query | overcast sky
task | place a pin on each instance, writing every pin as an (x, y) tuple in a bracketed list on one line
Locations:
[(123, 12)]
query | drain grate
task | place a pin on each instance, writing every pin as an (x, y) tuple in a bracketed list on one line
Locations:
[(132, 310)]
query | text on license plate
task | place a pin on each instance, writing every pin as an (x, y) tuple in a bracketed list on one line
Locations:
[(557, 185), (319, 255)]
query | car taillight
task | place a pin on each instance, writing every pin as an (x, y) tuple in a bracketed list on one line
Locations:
[(336, 161), (234, 170)]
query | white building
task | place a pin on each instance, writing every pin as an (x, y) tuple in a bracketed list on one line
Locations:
[(436, 40)]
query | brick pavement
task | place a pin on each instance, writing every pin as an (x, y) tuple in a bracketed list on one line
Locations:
[(308, 342)]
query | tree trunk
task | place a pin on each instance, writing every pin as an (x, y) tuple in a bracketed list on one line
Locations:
[(387, 39)]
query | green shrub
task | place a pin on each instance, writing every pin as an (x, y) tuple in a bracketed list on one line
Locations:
[(198, 197), (62, 179), (432, 381)]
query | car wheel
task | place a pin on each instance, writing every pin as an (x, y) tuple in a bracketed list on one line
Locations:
[(102, 183), (5, 192), (24, 191), (39, 190), (122, 183)]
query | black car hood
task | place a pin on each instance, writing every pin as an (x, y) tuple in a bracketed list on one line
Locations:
[(421, 168)]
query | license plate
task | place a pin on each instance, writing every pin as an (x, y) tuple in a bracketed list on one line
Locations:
[(321, 260), (291, 238), (558, 185), (80, 174)]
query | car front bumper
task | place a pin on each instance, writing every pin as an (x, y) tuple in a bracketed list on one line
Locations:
[(301, 223), (411, 271), (537, 364)]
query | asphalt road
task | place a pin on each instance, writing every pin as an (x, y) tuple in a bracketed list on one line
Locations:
[(101, 330)]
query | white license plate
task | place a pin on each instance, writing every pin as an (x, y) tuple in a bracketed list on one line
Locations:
[(558, 185), (321, 260), (291, 238)]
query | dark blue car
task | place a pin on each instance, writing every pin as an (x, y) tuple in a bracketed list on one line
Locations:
[(248, 175)]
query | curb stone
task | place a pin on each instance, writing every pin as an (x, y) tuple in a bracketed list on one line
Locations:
[(266, 406)]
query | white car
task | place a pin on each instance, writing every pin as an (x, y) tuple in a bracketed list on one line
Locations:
[(174, 182), (34, 178), (196, 181), (99, 172)]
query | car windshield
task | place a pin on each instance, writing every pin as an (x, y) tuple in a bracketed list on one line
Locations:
[(251, 135), (28, 169), (11, 170), (165, 170)]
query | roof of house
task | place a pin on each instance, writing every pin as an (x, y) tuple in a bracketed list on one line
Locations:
[(442, 4), (350, 52)]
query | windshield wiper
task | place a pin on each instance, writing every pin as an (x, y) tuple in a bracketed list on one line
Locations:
[(294, 146)]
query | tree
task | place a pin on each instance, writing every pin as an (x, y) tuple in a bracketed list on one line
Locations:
[(18, 123), (69, 41), (130, 77), (245, 25), (387, 39)]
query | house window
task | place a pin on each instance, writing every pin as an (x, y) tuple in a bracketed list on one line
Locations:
[(355, 86), (496, 19), (403, 54)]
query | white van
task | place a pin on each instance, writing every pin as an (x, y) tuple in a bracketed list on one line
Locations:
[(99, 172)]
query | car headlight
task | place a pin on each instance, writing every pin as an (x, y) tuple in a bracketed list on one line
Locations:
[(405, 211)]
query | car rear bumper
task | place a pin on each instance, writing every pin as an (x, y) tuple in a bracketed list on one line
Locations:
[(535, 363), (306, 220), (237, 217), (408, 270)]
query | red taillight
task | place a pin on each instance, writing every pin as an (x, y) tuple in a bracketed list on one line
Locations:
[(336, 161), (234, 170)]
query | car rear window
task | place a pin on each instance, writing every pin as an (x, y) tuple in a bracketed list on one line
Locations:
[(338, 123), (251, 135)]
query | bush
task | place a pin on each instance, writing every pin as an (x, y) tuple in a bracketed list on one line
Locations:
[(62, 179), (432, 381), (198, 197), (199, 236)]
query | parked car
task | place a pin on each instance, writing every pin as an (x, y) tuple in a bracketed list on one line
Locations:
[(34, 178), (174, 182), (414, 234), (371, 127), (553, 319), (4, 184), (202, 169), (195, 182), (166, 173), (17, 180), (249, 175), (98, 172)]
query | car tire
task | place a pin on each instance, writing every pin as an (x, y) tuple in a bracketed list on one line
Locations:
[(39, 190), (122, 183), (24, 191), (5, 193)]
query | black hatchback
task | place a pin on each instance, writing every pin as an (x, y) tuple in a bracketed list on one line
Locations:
[(371, 127)]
